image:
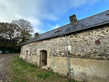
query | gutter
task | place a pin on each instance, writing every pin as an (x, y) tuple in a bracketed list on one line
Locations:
[(68, 59)]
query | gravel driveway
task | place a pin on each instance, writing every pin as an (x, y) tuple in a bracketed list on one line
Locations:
[(5, 60)]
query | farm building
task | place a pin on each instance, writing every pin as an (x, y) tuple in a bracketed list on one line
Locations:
[(80, 48)]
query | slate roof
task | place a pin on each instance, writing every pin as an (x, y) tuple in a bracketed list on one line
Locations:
[(89, 22)]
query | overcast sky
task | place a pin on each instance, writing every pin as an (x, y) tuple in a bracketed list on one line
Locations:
[(45, 15)]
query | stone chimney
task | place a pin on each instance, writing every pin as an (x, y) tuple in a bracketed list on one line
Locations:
[(73, 19)]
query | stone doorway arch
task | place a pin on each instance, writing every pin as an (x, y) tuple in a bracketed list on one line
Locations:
[(43, 58)]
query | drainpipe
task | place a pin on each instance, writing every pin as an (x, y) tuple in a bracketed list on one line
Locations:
[(68, 59)]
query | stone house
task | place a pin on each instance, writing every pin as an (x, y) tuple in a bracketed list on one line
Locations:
[(80, 48)]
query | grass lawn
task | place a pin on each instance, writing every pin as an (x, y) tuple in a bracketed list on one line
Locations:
[(20, 71)]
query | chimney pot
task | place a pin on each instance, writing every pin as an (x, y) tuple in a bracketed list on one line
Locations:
[(73, 19)]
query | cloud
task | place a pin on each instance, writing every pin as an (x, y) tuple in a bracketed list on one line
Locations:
[(78, 3), (56, 26), (18, 9), (93, 2), (38, 11)]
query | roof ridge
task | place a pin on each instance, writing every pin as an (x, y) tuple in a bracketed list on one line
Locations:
[(93, 15), (78, 20)]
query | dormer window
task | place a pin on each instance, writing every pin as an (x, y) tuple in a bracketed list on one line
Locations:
[(59, 30)]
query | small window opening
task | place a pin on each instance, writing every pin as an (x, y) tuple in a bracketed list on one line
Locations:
[(26, 53), (107, 14)]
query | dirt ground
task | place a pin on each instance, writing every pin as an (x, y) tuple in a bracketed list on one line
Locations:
[(5, 60)]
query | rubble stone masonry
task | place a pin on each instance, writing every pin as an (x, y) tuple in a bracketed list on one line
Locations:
[(88, 52)]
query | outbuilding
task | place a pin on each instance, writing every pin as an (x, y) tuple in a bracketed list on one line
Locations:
[(80, 48)]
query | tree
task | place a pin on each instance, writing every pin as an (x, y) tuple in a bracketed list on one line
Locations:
[(24, 29), (7, 30), (13, 34), (8, 37)]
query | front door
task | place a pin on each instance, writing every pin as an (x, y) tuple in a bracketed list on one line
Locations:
[(43, 58)]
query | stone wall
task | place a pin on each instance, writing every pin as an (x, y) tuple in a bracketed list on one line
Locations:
[(91, 45), (86, 70)]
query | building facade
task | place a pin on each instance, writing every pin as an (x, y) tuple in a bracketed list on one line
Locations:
[(87, 43)]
